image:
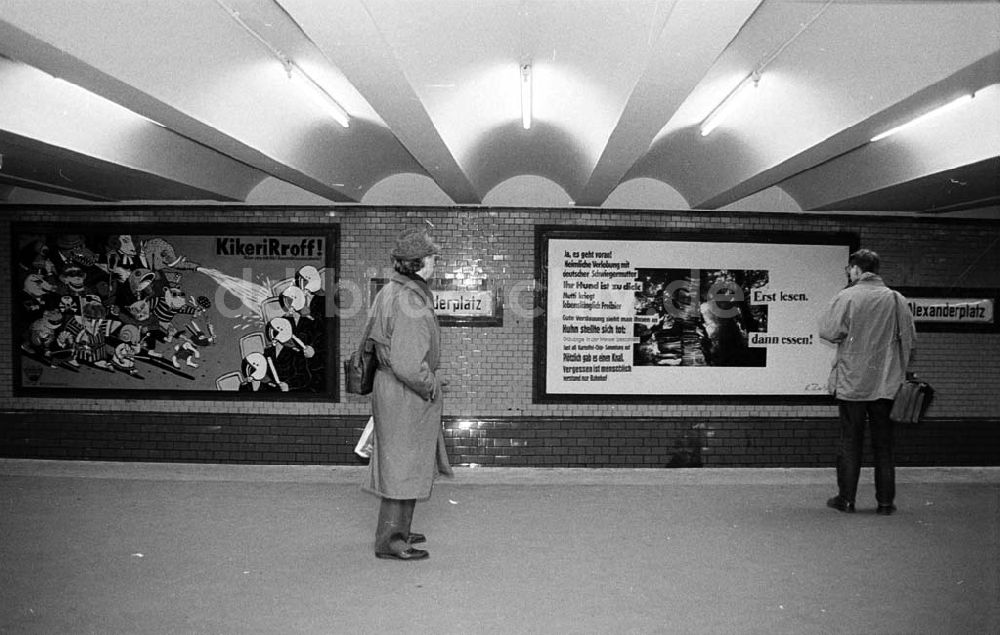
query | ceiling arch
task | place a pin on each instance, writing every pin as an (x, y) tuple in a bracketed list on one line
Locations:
[(509, 151), (646, 193), (418, 189), (527, 190)]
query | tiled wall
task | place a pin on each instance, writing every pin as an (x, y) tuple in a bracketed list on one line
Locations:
[(491, 416), (496, 442)]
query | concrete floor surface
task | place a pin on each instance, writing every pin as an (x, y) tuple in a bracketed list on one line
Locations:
[(168, 548)]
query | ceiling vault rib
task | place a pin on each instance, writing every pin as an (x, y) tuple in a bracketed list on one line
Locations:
[(392, 96)]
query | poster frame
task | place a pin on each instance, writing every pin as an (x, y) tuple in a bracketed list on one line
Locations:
[(545, 233), (330, 260)]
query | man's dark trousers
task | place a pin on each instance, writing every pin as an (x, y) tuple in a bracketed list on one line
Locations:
[(853, 415)]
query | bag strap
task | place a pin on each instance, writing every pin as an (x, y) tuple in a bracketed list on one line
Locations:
[(898, 328), (367, 332), (897, 298)]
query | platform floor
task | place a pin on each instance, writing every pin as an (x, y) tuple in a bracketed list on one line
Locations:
[(172, 548)]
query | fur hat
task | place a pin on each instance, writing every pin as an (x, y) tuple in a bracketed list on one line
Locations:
[(414, 243)]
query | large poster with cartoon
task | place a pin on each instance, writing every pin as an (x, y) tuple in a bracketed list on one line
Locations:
[(227, 311)]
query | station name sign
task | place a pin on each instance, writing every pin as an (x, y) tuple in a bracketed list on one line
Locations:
[(952, 310), (464, 303)]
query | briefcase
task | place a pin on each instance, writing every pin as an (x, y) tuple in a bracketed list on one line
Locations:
[(911, 402)]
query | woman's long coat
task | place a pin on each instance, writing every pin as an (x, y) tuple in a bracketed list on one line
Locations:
[(406, 399)]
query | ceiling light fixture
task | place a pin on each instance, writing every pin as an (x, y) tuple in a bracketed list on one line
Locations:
[(735, 97), (739, 94), (294, 71), (525, 96), (964, 99), (325, 99)]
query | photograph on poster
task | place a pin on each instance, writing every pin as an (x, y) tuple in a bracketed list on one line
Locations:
[(231, 312), (645, 314), (690, 317)]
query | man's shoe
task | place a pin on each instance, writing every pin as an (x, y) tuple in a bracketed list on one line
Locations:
[(408, 554), (416, 538), (841, 504), (886, 510)]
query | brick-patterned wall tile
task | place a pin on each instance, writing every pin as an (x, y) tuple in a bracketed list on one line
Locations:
[(491, 368)]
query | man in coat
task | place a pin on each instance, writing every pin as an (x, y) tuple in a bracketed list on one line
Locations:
[(406, 398), (873, 329)]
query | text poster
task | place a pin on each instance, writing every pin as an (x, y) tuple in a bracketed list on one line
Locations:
[(647, 317), (226, 311)]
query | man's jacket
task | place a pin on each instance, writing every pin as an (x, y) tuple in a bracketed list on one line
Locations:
[(875, 336)]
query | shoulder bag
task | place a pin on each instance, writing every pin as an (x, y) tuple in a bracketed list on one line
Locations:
[(359, 369)]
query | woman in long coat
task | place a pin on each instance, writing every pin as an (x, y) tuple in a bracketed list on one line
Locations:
[(406, 399)]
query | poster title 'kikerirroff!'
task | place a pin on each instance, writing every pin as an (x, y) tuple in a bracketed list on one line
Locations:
[(269, 247)]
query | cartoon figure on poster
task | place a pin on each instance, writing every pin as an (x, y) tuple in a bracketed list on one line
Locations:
[(126, 312)]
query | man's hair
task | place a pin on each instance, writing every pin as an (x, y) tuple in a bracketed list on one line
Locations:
[(865, 259), (409, 266)]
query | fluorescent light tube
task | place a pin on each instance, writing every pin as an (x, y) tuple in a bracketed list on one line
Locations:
[(924, 117), (526, 96), (325, 100), (735, 98)]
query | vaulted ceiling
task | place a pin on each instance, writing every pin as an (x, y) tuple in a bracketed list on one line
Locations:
[(193, 100)]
